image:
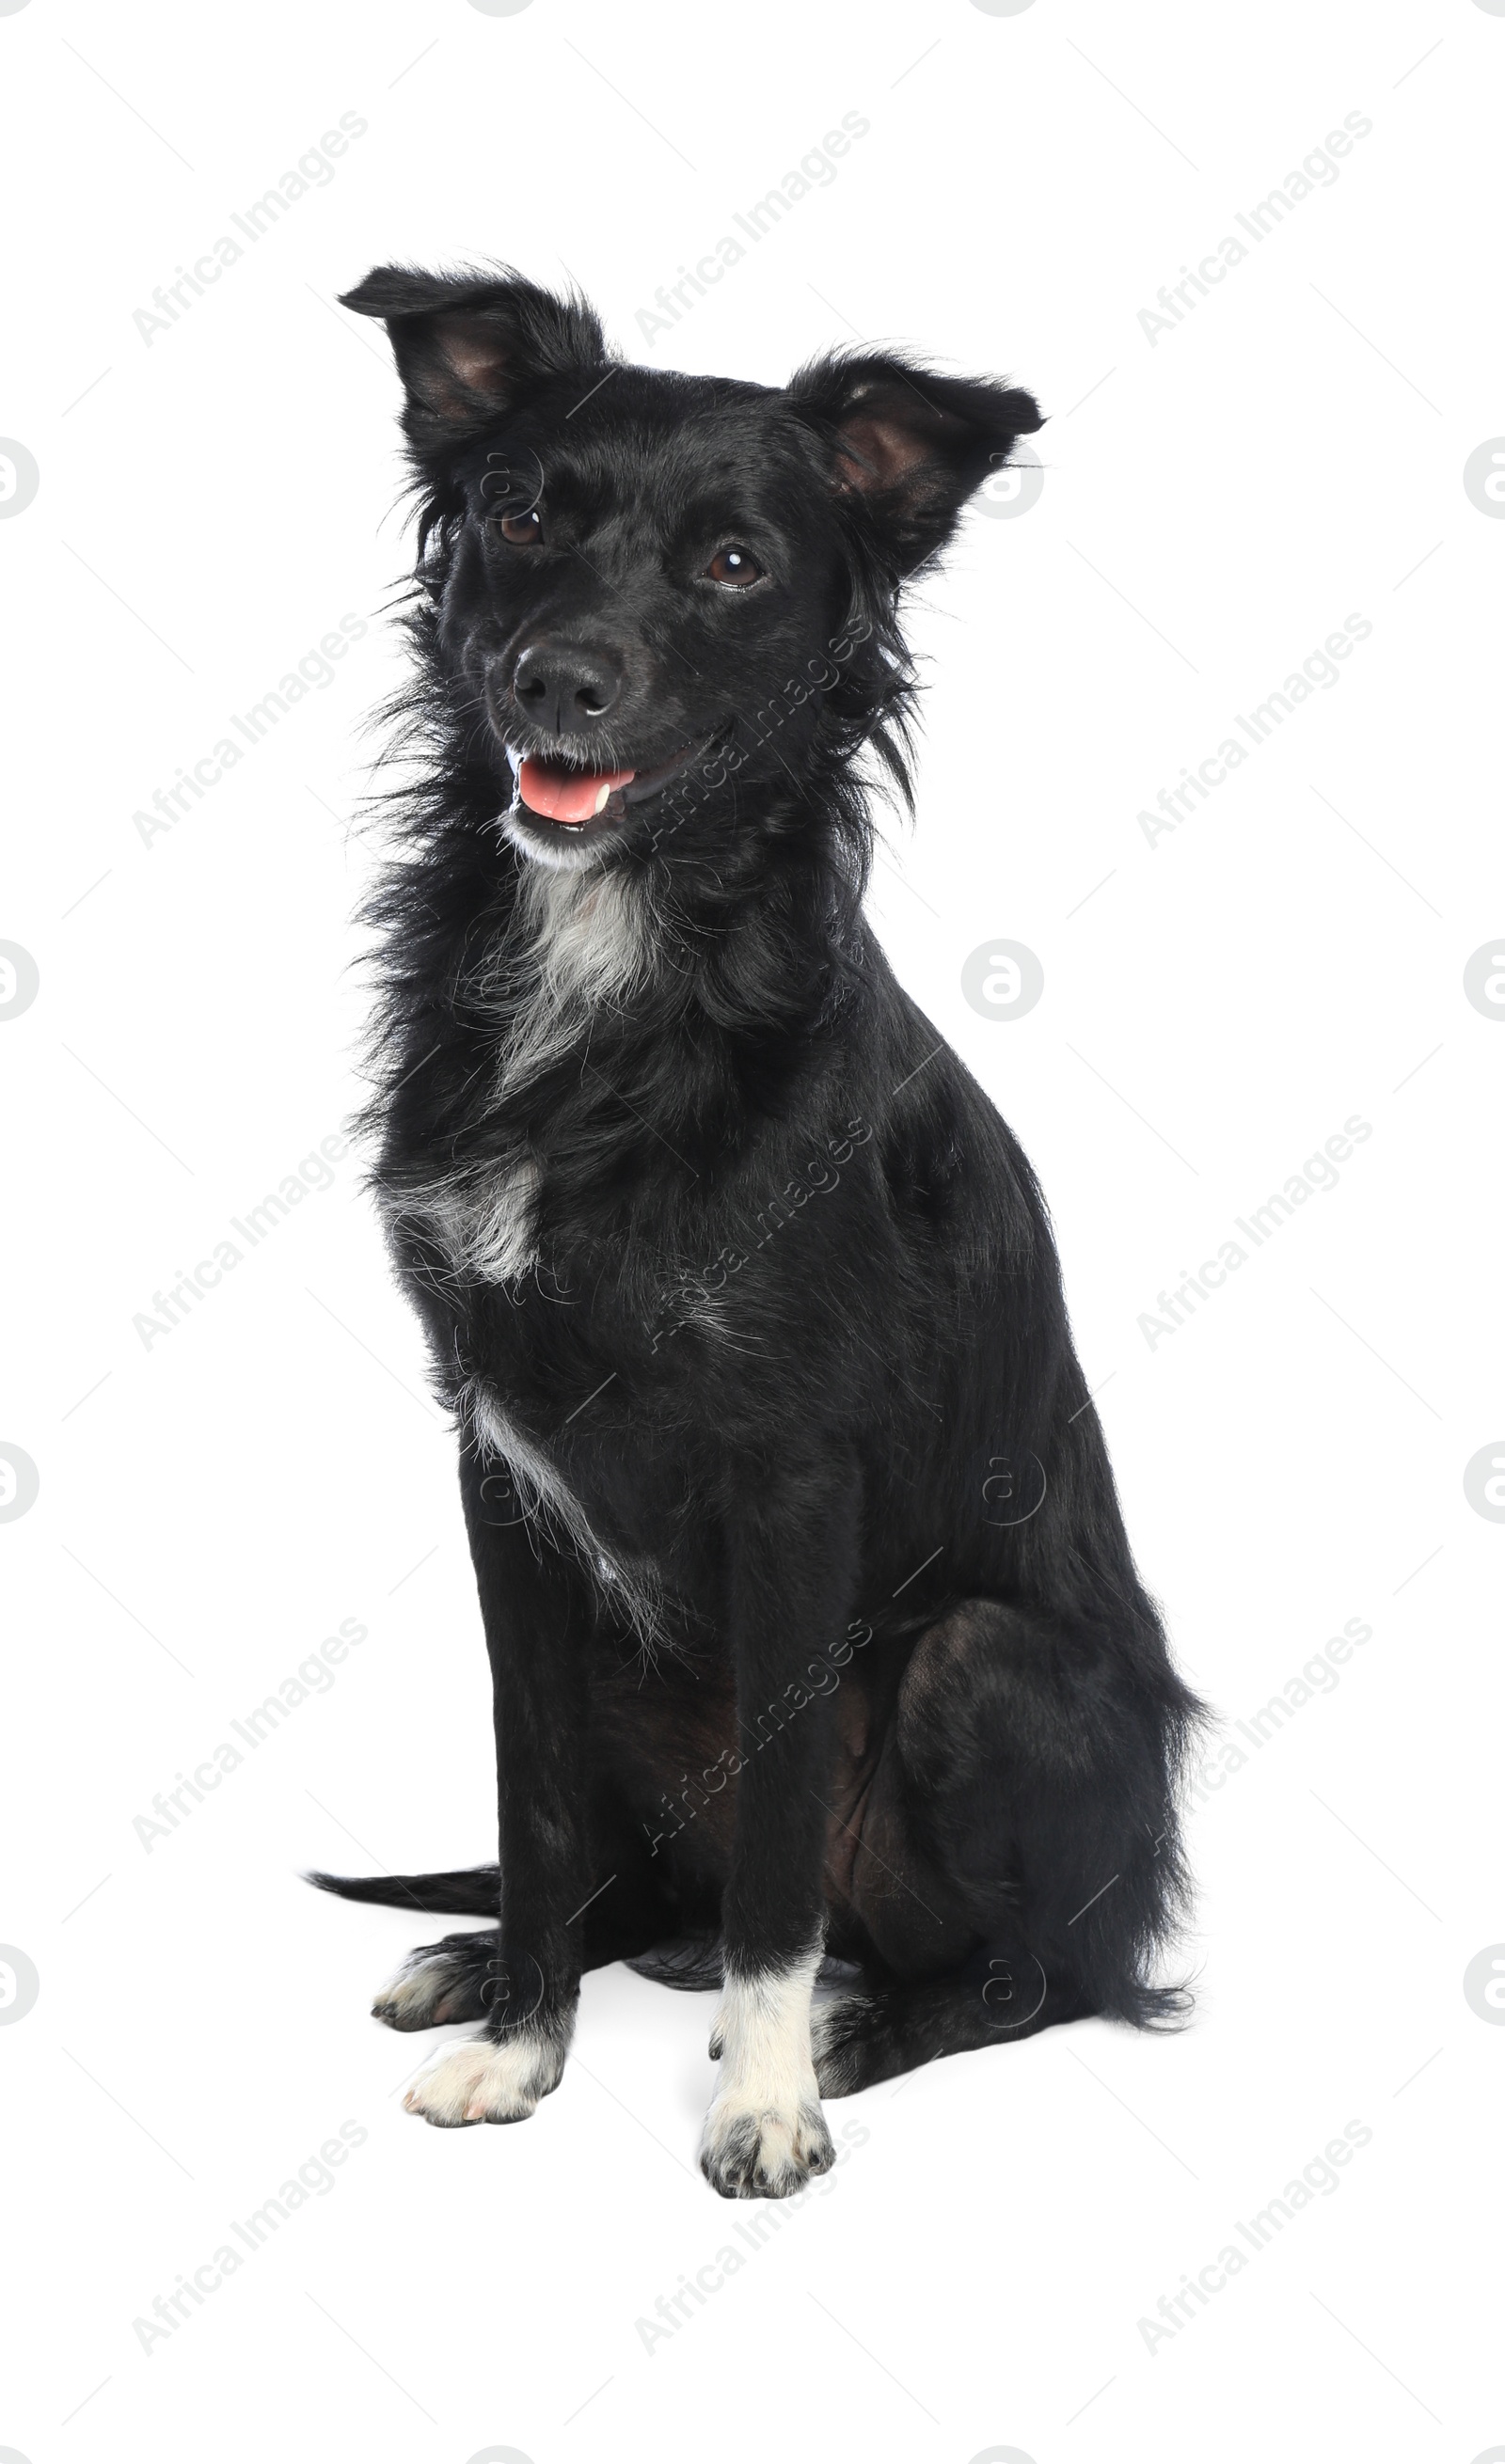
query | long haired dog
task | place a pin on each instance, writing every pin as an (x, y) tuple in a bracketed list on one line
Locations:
[(813, 1629)]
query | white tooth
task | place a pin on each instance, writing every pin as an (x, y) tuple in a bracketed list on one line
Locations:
[(601, 799)]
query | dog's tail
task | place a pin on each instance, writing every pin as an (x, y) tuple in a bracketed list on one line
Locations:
[(476, 1893)]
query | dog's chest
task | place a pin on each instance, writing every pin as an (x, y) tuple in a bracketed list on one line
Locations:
[(578, 947), (585, 1456), (483, 1224), (520, 1254)]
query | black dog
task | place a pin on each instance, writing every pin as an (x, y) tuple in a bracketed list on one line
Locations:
[(812, 1625)]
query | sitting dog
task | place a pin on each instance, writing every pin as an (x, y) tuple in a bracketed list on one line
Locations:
[(814, 1633)]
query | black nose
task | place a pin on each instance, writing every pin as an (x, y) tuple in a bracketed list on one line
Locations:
[(564, 685)]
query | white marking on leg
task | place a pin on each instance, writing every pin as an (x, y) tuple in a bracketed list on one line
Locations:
[(413, 1990), (765, 2133), (416, 1992), (538, 1485), (482, 2081)]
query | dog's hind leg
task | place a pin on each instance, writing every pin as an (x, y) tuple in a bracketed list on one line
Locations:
[(463, 1977), (442, 1981), (1017, 1860), (883, 2027)]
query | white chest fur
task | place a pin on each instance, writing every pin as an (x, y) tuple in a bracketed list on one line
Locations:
[(537, 1491), (579, 942)]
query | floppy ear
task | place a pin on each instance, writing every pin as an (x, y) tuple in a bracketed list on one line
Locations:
[(908, 447), (471, 344)]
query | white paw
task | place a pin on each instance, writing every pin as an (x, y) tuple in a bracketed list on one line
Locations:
[(415, 1997), (482, 2081), (752, 2152), (765, 2133)]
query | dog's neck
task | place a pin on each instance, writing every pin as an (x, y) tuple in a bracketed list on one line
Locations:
[(577, 946), (582, 1021)]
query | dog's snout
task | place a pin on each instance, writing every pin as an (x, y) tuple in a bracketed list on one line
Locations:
[(564, 687)]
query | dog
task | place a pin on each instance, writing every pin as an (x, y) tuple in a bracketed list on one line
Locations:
[(818, 1653)]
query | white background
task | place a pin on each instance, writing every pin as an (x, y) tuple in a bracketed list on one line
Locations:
[(211, 503)]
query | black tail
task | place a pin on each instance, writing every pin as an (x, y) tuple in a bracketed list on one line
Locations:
[(474, 1894)]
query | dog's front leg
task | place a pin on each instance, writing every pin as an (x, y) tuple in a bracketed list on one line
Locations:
[(536, 1611), (793, 1557)]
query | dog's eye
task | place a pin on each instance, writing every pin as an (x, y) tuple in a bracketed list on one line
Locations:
[(734, 566), (520, 530)]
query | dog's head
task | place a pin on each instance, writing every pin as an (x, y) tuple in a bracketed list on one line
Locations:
[(657, 591)]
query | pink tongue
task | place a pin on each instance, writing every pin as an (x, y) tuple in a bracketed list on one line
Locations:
[(565, 795)]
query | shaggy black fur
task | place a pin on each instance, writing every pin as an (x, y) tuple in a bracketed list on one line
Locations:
[(810, 1612)]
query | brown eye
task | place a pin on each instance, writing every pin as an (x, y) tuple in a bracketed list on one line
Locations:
[(734, 566), (520, 530)]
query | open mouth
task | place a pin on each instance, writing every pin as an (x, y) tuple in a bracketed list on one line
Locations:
[(574, 799)]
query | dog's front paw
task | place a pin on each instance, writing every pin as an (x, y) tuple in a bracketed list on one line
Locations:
[(482, 2081), (753, 2152)]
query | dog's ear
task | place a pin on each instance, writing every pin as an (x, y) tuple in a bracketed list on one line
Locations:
[(471, 345), (909, 447)]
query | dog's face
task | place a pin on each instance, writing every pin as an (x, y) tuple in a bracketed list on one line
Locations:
[(650, 588)]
